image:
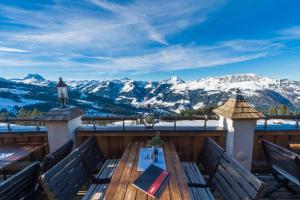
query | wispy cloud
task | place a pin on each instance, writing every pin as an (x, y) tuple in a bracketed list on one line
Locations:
[(171, 58), (290, 33), (14, 50), (133, 37)]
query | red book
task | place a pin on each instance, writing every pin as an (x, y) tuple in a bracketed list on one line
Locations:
[(152, 181)]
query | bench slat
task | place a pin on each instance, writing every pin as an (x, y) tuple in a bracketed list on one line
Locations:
[(22, 184), (233, 181)]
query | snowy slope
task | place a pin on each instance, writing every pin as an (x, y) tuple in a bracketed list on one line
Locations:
[(175, 94)]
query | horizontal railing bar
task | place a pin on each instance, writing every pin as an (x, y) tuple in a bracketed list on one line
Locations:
[(295, 117), (20, 120), (164, 118)]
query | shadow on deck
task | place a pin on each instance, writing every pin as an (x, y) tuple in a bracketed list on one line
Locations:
[(281, 194)]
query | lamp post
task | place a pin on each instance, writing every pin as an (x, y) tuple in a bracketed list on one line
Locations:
[(62, 90)]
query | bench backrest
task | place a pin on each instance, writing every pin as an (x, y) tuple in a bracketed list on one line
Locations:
[(281, 159), (235, 182), (21, 185), (52, 159), (91, 153), (210, 155), (65, 179)]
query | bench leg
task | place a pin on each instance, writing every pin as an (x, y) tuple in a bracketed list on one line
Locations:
[(281, 183), (285, 184)]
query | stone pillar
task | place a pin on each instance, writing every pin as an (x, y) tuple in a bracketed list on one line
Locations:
[(61, 125), (239, 140), (239, 118)]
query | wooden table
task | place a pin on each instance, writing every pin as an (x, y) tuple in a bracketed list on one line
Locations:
[(121, 188), (294, 146), (20, 151)]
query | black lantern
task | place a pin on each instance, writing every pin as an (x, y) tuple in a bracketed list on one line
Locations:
[(149, 118), (62, 90)]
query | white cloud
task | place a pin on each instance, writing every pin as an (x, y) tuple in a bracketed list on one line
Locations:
[(290, 33), (8, 49), (119, 38)]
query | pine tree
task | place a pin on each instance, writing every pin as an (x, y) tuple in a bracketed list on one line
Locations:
[(23, 113), (273, 110), (4, 115), (283, 109), (35, 113)]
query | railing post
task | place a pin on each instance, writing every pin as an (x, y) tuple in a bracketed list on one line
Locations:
[(123, 122), (8, 124), (266, 123), (175, 125), (94, 123), (37, 124), (205, 121)]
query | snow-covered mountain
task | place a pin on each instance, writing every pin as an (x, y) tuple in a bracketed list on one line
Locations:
[(175, 94), (33, 79)]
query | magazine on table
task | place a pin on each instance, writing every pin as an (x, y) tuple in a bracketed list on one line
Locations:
[(152, 181)]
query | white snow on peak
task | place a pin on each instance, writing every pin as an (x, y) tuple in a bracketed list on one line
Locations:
[(225, 83), (129, 86), (33, 79), (174, 80)]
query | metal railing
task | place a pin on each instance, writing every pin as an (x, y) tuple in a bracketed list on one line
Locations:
[(282, 117), (23, 121), (174, 119), (94, 121)]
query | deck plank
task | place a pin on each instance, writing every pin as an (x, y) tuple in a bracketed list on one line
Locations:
[(123, 183), (126, 173)]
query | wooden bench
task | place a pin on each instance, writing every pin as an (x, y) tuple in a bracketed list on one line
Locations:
[(22, 185), (100, 170), (209, 157), (65, 179), (235, 182), (284, 165), (52, 159), (96, 192)]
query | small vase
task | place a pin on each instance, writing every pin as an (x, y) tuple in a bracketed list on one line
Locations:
[(155, 154)]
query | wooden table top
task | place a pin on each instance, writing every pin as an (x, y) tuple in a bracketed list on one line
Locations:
[(294, 146), (19, 150), (121, 188)]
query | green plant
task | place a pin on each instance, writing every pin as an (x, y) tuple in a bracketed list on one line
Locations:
[(156, 141)]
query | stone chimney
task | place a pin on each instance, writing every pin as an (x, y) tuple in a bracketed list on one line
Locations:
[(61, 125), (239, 118)]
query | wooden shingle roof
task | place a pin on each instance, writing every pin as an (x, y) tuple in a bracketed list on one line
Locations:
[(66, 114), (238, 108)]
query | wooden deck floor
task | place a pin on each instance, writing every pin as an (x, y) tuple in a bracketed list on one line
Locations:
[(281, 194)]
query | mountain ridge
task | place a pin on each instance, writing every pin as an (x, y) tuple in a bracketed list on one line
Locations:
[(174, 94)]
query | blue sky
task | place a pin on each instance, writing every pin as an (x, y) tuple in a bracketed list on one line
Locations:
[(149, 40)]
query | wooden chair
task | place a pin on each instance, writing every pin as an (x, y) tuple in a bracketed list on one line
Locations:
[(99, 170), (52, 159), (22, 185), (64, 180), (235, 182), (284, 165), (209, 157)]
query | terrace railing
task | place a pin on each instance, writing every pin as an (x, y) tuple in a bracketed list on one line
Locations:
[(37, 123), (94, 121), (295, 118), (34, 123)]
